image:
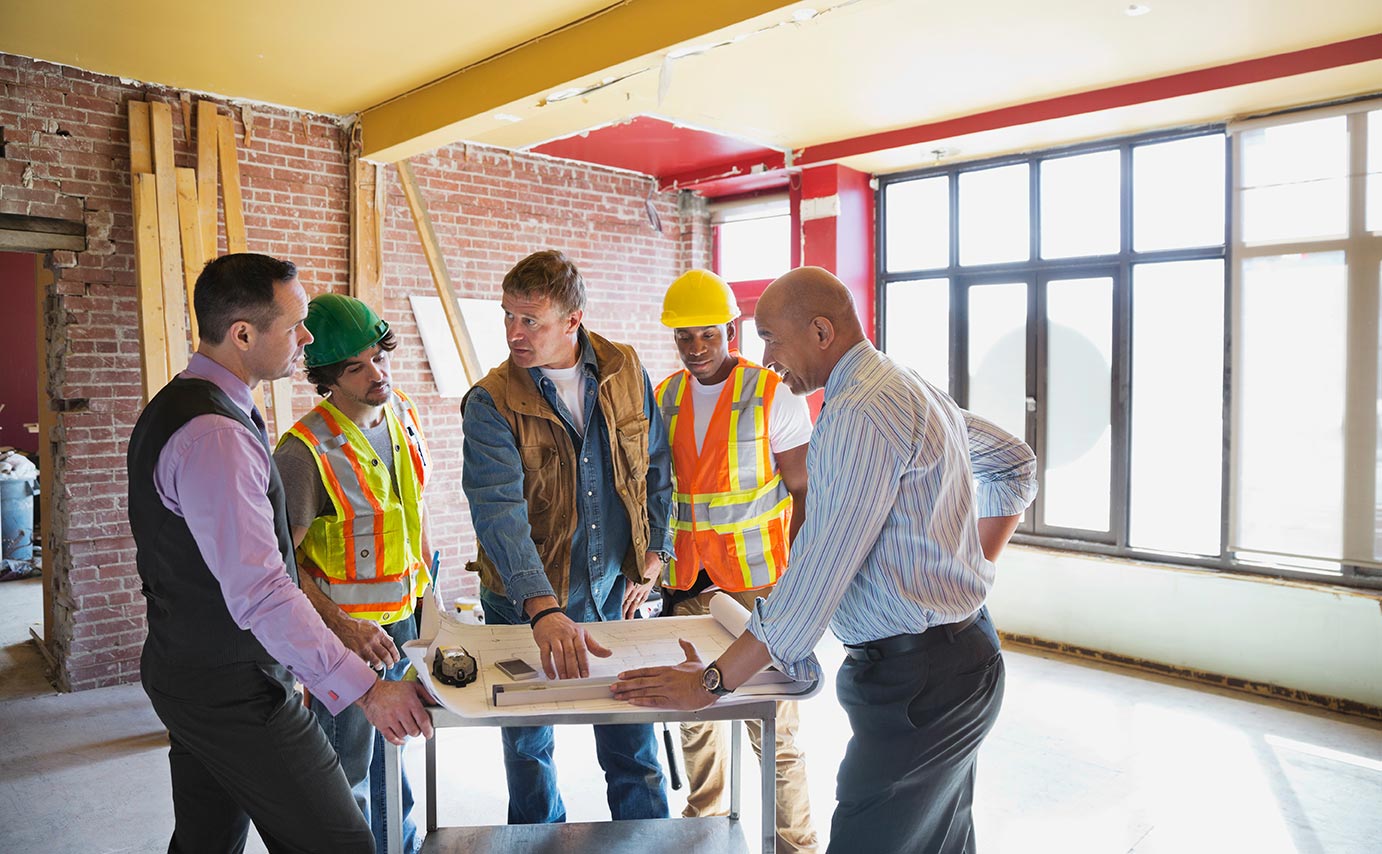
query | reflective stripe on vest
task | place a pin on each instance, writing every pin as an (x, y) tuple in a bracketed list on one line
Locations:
[(367, 558), (731, 510)]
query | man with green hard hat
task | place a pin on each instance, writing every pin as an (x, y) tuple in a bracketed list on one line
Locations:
[(353, 472)]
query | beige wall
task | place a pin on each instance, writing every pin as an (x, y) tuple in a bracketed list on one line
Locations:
[(1310, 638)]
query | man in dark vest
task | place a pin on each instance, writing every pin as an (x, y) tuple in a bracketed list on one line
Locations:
[(229, 630), (568, 475)]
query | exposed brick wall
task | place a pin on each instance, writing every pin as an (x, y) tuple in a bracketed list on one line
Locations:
[(66, 156), (490, 208)]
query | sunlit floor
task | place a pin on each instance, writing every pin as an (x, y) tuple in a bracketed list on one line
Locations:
[(1084, 759)]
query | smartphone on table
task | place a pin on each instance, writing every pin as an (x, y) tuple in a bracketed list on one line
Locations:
[(516, 669)]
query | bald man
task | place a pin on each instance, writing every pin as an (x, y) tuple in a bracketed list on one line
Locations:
[(896, 556)]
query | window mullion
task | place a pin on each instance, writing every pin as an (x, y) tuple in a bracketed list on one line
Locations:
[(1360, 401), (1121, 415), (1232, 179)]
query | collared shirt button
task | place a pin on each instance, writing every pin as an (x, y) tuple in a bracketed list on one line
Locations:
[(593, 526), (589, 492), (585, 459)]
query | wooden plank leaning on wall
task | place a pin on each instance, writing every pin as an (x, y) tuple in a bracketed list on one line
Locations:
[(169, 238), (431, 248), (208, 143), (193, 256), (153, 341)]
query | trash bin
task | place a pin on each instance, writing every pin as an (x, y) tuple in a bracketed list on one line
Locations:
[(17, 518)]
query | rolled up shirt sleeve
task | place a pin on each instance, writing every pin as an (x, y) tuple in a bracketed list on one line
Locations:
[(215, 474), (492, 478), (859, 475), (1004, 468)]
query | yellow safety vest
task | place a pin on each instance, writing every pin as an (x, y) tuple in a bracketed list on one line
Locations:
[(731, 510), (368, 558)]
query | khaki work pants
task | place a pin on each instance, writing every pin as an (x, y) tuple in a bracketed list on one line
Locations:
[(705, 747)]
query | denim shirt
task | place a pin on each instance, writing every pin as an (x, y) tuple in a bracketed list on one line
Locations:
[(492, 477)]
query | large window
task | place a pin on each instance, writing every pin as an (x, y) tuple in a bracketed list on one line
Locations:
[(1182, 408)]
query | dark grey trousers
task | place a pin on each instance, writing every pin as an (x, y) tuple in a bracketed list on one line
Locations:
[(906, 785), (243, 748)]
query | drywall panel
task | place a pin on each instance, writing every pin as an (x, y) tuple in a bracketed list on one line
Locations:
[(1306, 637)]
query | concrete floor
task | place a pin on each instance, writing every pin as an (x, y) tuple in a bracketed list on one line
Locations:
[(1083, 759)]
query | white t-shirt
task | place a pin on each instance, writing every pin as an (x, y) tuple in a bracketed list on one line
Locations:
[(570, 383), (789, 418)]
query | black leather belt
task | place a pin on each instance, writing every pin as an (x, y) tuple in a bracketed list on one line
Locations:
[(903, 644)]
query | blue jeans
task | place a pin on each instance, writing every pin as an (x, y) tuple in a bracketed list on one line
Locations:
[(361, 750), (626, 752)]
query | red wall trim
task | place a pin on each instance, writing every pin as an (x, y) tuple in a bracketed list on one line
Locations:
[(1363, 49)]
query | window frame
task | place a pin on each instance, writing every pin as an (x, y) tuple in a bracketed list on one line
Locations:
[(1038, 271), (1362, 252)]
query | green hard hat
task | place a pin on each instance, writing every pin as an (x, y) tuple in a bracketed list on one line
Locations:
[(341, 327)]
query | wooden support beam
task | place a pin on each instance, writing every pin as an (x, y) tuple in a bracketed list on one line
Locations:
[(20, 240), (470, 360), (189, 225), (429, 117), (208, 138), (366, 233), (169, 244), (230, 186), (153, 340)]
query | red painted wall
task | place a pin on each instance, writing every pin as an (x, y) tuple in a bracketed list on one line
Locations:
[(19, 380), (843, 244), (66, 156)]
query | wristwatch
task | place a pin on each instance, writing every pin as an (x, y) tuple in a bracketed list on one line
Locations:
[(713, 681)]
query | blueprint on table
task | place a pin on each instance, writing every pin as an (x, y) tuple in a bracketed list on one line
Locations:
[(634, 643)]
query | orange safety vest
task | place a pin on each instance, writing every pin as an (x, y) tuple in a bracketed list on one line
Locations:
[(731, 510)]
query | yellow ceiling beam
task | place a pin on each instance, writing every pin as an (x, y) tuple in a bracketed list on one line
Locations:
[(427, 118)]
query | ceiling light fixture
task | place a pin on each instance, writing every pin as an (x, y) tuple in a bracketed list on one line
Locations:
[(1136, 10)]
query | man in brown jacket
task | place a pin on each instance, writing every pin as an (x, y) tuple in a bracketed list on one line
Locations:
[(568, 476)]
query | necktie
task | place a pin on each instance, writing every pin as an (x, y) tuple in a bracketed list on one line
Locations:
[(259, 423)]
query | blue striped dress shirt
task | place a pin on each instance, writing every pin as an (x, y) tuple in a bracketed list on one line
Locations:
[(898, 476)]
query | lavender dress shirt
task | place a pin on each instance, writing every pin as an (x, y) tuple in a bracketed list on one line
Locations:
[(214, 474)]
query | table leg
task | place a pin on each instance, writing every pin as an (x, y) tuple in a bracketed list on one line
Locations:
[(769, 782), (735, 742), (432, 783), (393, 794)]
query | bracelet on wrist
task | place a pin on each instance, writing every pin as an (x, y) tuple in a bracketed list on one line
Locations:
[(532, 621)]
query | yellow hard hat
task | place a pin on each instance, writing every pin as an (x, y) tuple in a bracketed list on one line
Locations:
[(698, 298)]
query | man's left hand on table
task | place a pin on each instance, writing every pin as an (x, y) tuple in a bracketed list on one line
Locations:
[(676, 687), (636, 594)]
